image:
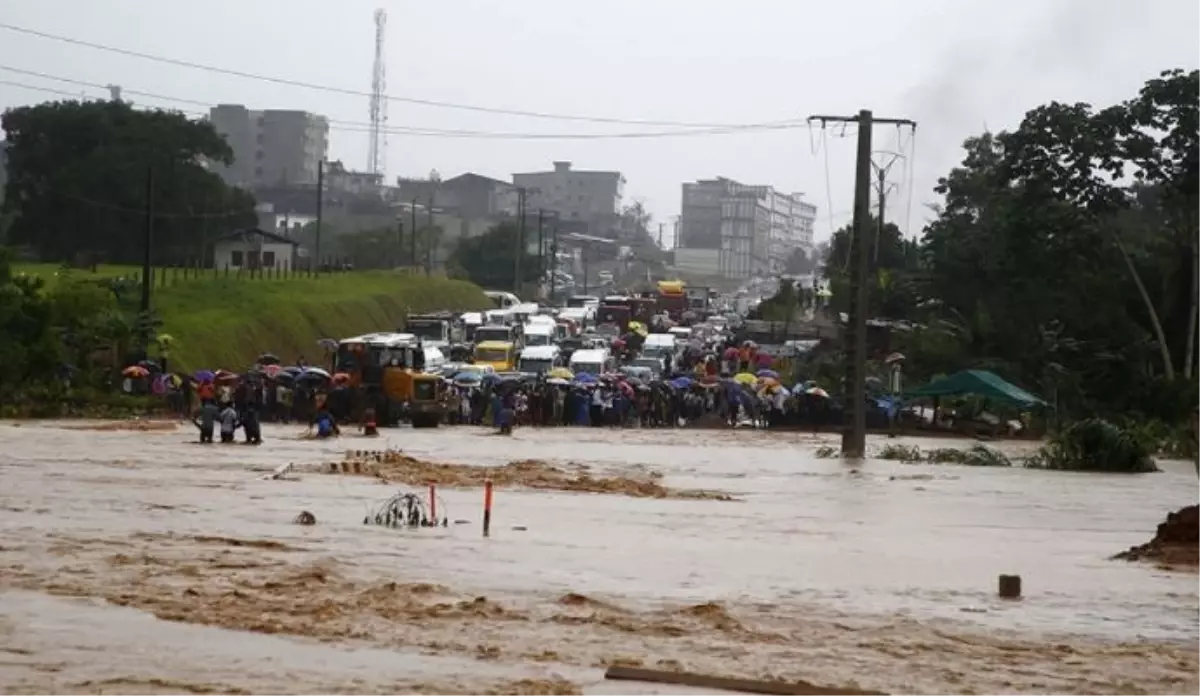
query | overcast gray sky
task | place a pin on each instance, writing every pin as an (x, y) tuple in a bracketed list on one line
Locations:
[(953, 66)]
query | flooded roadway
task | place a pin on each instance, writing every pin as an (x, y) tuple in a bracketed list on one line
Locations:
[(881, 577)]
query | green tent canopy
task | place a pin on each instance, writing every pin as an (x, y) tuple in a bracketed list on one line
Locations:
[(977, 383)]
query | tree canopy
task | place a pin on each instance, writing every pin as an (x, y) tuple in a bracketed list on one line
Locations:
[(1063, 255), (489, 260), (78, 179)]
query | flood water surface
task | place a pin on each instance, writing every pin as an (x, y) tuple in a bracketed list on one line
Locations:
[(181, 561)]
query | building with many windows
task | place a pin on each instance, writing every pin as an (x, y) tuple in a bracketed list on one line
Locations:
[(738, 231), (587, 197), (273, 147)]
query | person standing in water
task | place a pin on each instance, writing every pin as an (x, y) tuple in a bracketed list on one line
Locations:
[(206, 421), (229, 422)]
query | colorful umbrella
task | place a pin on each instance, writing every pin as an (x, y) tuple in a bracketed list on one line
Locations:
[(204, 376), (340, 377), (817, 391), (225, 376), (745, 378), (272, 371), (561, 373), (135, 371), (768, 373)]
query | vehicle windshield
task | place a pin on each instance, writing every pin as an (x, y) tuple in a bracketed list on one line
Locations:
[(491, 355), (608, 330), (425, 389), (579, 301), (535, 339), (652, 363), (428, 330), (492, 333), (588, 367), (535, 365)]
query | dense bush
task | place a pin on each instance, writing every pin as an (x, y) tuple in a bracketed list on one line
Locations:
[(1095, 445)]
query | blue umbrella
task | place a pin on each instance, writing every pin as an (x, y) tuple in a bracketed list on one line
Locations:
[(468, 379), (768, 373), (205, 375), (585, 378), (681, 382), (293, 370)]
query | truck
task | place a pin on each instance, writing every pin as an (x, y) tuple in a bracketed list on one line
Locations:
[(435, 329), (672, 298)]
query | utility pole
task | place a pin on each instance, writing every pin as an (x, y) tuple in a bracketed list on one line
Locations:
[(553, 260), (854, 431), (429, 241), (881, 190), (520, 250), (541, 247), (147, 246), (320, 204), (399, 241), (412, 243), (660, 237)]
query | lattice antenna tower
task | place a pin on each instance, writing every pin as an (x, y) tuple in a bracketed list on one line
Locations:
[(377, 148)]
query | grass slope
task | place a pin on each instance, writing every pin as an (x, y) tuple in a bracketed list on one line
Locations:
[(227, 321)]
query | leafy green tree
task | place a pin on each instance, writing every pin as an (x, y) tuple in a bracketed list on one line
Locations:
[(894, 270), (78, 177), (489, 259)]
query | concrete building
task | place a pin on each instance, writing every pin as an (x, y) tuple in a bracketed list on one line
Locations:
[(468, 196), (338, 179), (271, 147), (739, 231), (254, 249), (592, 197)]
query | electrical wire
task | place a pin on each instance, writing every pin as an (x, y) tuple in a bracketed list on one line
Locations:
[(364, 127), (358, 93)]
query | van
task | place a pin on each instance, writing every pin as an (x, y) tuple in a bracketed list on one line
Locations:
[(592, 361), (660, 344), (539, 334)]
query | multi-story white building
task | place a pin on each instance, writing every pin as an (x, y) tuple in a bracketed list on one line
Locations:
[(739, 231), (593, 197), (271, 147)]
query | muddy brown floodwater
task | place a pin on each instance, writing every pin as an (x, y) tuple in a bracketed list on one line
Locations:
[(134, 561)]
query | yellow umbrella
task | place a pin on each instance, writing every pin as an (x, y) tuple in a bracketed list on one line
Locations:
[(638, 328), (561, 373), (745, 378)]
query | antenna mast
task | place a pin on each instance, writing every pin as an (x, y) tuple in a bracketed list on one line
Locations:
[(377, 149)]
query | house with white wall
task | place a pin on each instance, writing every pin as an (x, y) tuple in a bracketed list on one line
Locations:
[(254, 249)]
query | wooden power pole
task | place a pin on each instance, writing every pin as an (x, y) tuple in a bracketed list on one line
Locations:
[(854, 431)]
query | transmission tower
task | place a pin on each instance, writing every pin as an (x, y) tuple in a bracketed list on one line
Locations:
[(377, 149)]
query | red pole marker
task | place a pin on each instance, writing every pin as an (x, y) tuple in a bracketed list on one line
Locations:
[(487, 506)]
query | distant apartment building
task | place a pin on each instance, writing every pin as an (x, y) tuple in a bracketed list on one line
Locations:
[(738, 231), (582, 196), (272, 147)]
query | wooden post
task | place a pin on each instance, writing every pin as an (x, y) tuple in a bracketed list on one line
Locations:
[(748, 686)]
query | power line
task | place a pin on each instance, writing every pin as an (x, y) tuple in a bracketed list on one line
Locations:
[(365, 127), (358, 93)]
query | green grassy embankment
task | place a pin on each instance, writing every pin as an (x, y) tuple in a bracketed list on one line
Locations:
[(227, 321)]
